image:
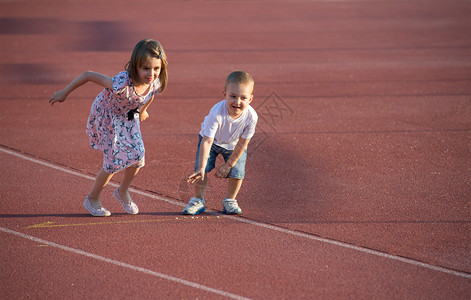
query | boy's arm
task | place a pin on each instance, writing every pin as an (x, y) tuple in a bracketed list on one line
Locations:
[(85, 77), (143, 111), (224, 169), (205, 147)]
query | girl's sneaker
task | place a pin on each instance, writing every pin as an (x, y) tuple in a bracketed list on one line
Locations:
[(101, 212), (194, 207), (231, 207)]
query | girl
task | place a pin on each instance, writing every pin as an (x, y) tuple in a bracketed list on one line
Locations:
[(113, 126)]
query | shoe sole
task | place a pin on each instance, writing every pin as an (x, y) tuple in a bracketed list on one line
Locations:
[(231, 213), (196, 213)]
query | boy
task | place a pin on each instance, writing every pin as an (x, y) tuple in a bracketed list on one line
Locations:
[(226, 130)]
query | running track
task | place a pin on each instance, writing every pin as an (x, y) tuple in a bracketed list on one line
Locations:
[(358, 179)]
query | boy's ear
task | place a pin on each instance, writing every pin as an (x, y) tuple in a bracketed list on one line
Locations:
[(251, 98)]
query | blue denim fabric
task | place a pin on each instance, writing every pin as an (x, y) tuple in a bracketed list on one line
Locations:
[(238, 171)]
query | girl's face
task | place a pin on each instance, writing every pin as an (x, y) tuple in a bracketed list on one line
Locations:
[(238, 97), (149, 70)]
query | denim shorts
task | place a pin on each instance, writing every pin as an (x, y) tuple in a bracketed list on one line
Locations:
[(238, 171)]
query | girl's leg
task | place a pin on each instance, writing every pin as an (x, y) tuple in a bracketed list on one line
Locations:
[(233, 187), (101, 180), (200, 187), (129, 174)]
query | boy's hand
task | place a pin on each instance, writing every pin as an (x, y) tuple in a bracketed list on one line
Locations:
[(223, 170), (59, 96), (195, 176), (143, 115)]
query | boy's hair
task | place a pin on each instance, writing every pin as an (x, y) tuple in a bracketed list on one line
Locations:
[(240, 77), (142, 51)]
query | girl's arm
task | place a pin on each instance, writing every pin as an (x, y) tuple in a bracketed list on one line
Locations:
[(85, 77), (224, 169), (143, 111)]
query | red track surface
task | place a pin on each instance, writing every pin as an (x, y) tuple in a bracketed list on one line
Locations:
[(358, 179)]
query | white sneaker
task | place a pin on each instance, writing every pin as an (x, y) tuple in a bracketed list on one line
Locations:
[(231, 207), (194, 207)]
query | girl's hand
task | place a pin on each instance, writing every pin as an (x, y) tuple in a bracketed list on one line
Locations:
[(143, 115), (59, 96), (223, 171)]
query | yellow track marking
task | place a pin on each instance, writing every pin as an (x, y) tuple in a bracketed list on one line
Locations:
[(52, 224)]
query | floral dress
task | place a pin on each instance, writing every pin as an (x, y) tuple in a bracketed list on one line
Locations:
[(112, 131)]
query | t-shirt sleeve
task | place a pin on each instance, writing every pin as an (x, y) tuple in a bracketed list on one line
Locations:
[(211, 123), (120, 82), (249, 130)]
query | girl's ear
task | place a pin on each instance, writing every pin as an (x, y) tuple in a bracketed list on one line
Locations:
[(224, 93)]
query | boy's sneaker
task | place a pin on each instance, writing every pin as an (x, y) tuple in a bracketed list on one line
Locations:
[(194, 207), (231, 207)]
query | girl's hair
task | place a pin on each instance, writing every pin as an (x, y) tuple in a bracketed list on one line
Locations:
[(142, 51)]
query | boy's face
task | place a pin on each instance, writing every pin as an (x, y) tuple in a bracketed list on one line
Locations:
[(238, 97)]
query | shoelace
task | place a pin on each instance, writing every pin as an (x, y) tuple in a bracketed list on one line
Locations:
[(231, 203), (194, 203)]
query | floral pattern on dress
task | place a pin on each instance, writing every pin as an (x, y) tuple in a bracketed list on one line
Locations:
[(109, 129)]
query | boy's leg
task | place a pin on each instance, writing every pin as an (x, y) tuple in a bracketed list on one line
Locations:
[(200, 187), (229, 203), (101, 180), (200, 184), (196, 204), (233, 187), (236, 176)]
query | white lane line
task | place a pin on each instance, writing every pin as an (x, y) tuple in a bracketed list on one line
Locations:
[(263, 225), (124, 265), (71, 172), (357, 248)]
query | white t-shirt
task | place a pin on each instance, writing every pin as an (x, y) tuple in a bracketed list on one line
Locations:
[(225, 130)]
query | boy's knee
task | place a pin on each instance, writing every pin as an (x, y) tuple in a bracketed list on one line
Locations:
[(235, 181)]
